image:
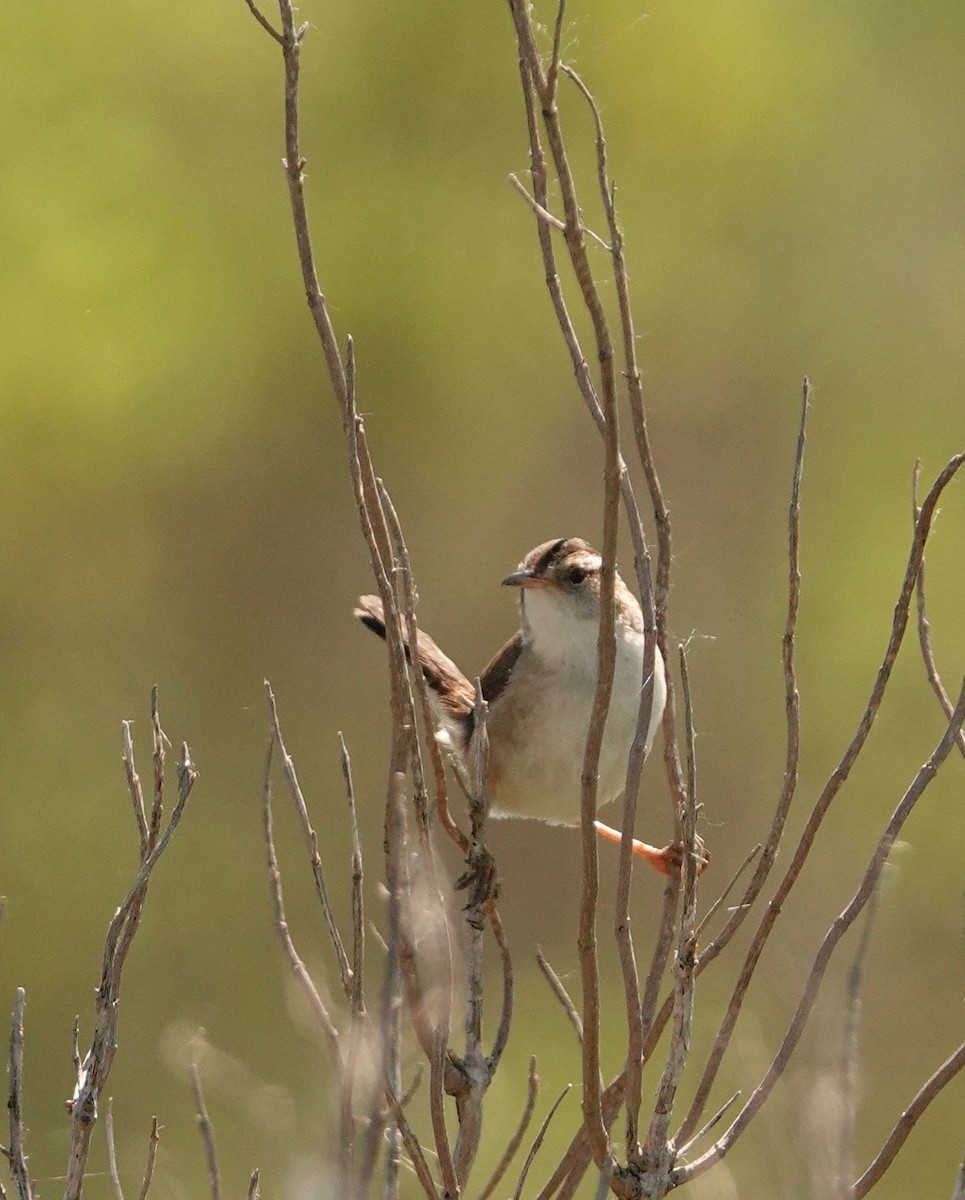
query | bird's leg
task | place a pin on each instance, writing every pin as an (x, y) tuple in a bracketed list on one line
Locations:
[(668, 860)]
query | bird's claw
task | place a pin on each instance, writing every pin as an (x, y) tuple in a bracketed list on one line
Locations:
[(480, 880), (669, 860)]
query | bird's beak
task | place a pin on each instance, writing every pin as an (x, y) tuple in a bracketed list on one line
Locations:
[(524, 579)]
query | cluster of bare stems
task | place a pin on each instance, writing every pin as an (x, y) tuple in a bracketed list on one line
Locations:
[(431, 984)]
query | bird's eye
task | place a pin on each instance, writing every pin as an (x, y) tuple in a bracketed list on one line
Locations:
[(576, 575)]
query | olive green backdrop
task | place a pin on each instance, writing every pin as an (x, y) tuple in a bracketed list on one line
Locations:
[(175, 506)]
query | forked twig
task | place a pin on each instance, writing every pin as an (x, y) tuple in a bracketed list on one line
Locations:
[(831, 939), (823, 802), (93, 1071)]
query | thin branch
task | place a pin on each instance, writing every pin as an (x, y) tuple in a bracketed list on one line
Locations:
[(111, 1151), (959, 1192), (822, 804), (538, 1141), (357, 995), (606, 641), (298, 968), (831, 939), (93, 1072), (152, 1144), (715, 907), (158, 757), (134, 783), (634, 381), (561, 994), (421, 689), (924, 626), (398, 889), (541, 212), (413, 1146), (514, 1143), (658, 1153), (506, 1014), (205, 1128), (908, 1119), (844, 1164), (17, 1154), (311, 841), (711, 1124), (264, 23)]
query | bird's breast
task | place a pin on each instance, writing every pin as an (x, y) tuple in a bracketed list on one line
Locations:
[(538, 728)]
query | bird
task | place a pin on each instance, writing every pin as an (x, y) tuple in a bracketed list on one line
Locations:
[(540, 690)]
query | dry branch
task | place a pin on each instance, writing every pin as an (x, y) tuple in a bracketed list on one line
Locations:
[(93, 1071), (16, 1153), (831, 939)]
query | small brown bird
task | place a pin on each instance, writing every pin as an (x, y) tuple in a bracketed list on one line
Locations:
[(540, 689)]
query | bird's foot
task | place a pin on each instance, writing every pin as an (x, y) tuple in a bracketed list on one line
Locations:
[(668, 860), (480, 880)]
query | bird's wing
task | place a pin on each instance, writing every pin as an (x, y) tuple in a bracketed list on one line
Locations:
[(453, 691), (496, 675)]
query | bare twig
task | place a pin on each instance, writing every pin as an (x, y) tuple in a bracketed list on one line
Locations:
[(397, 887), (959, 1192), (514, 1143), (93, 1072), (134, 783), (204, 1125), (264, 23), (506, 966), (112, 1151), (311, 840), (538, 1140), (541, 212), (831, 939), (574, 237), (711, 1124), (158, 758), (153, 1140), (924, 626), (16, 1153), (721, 899), (658, 1152), (830, 790), (480, 878), (298, 968), (561, 994), (908, 1119), (414, 1147), (844, 1162), (358, 878)]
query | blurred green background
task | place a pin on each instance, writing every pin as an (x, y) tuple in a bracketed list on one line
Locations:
[(176, 509)]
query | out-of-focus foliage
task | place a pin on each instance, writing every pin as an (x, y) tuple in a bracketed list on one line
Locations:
[(175, 508)]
